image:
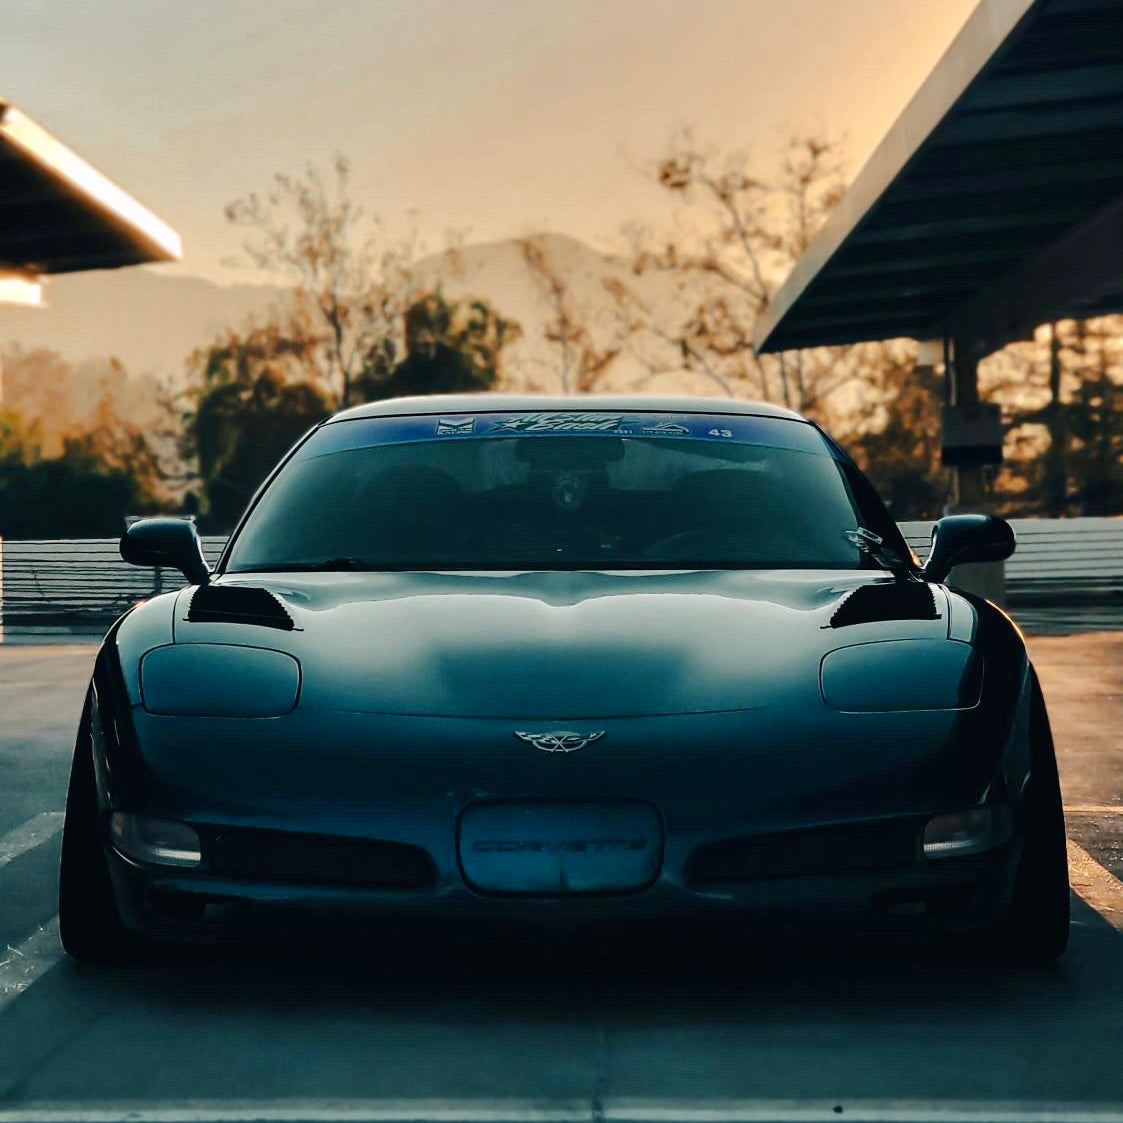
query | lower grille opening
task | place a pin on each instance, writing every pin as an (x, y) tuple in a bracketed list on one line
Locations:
[(302, 859), (176, 906), (820, 851)]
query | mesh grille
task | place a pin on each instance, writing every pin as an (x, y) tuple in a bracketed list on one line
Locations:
[(831, 850), (281, 856)]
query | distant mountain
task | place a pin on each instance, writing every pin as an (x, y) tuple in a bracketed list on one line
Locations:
[(498, 272), (152, 322)]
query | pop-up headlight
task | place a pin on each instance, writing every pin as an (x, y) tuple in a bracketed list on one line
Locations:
[(218, 680), (895, 675)]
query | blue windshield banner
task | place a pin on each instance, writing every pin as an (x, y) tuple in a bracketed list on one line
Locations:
[(361, 432)]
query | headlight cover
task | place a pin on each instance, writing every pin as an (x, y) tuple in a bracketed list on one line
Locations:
[(159, 842), (891, 676), (218, 680), (967, 832)]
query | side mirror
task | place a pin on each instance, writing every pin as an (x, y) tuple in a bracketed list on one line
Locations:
[(173, 543), (959, 539)]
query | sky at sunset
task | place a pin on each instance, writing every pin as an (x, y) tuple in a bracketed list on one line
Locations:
[(493, 117)]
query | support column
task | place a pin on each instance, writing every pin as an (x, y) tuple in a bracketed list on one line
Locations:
[(972, 441), (969, 492)]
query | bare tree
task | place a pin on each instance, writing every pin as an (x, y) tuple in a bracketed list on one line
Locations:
[(581, 359), (737, 237), (350, 283)]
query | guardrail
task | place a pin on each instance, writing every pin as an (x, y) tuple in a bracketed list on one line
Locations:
[(1076, 553), (1066, 574), (73, 589)]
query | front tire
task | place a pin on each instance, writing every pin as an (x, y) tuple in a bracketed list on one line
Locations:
[(1035, 929), (89, 924)]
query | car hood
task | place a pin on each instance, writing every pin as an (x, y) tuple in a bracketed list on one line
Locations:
[(560, 645)]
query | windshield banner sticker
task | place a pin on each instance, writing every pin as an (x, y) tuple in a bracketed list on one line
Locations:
[(542, 424), (666, 429), (560, 423), (456, 426)]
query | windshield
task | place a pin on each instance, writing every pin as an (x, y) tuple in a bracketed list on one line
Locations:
[(557, 491)]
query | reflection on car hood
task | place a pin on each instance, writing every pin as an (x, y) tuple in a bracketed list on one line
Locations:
[(560, 644)]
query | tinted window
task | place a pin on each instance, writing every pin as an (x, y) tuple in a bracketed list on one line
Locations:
[(557, 491)]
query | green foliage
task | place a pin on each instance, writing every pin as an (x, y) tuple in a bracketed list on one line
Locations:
[(251, 407), (18, 439), (258, 390), (65, 474), (449, 348), (75, 495)]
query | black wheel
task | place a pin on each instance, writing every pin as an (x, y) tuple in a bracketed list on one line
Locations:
[(1035, 930), (89, 923)]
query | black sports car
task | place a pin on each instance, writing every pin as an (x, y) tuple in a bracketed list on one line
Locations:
[(511, 659)]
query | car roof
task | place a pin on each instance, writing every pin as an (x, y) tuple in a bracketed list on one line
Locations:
[(507, 403)]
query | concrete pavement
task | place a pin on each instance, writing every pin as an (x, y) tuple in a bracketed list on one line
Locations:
[(1082, 677)]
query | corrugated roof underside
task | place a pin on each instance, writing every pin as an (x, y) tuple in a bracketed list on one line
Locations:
[(1033, 148)]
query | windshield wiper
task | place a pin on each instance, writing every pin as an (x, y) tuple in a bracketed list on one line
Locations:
[(874, 547), (327, 564), (539, 564)]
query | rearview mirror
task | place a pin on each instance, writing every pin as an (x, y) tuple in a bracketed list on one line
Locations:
[(960, 539), (173, 543)]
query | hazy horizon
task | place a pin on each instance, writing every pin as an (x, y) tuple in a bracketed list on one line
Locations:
[(491, 118)]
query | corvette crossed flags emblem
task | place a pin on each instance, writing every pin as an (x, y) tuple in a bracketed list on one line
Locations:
[(560, 740)]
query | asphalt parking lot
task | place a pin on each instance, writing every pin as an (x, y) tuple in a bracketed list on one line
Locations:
[(319, 1030)]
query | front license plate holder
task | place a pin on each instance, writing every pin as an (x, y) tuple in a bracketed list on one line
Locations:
[(560, 849)]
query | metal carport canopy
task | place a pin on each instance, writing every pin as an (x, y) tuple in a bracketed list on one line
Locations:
[(994, 203), (59, 214)]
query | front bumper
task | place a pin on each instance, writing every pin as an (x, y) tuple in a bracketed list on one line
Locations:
[(710, 778), (927, 898)]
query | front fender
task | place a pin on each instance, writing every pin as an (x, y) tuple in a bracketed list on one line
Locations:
[(114, 690), (1001, 722)]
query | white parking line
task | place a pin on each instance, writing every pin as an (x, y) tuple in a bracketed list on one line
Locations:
[(519, 1111), (21, 965), (28, 835), (864, 1111), (1094, 808)]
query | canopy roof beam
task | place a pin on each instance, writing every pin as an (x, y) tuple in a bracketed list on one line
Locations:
[(58, 213), (988, 207)]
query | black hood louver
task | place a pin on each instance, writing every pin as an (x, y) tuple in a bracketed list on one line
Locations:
[(237, 604), (873, 604)]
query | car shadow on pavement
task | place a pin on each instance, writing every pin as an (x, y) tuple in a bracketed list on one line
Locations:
[(549, 971), (548, 1017)]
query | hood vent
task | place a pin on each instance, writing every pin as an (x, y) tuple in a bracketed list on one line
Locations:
[(237, 604), (874, 604)]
